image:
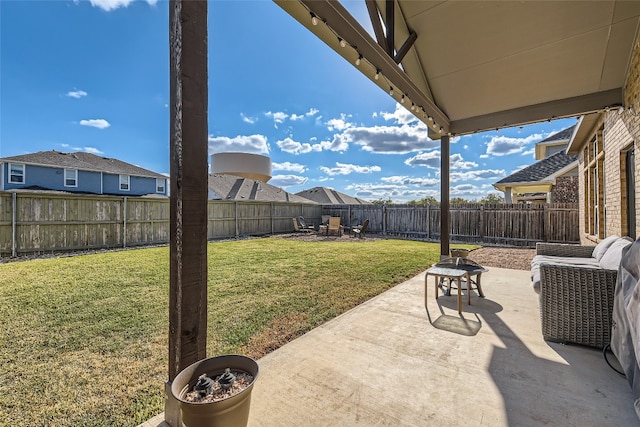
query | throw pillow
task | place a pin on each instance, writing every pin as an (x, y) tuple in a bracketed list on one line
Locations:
[(602, 247), (613, 256)]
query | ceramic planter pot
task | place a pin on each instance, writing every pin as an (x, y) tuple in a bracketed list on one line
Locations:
[(232, 411)]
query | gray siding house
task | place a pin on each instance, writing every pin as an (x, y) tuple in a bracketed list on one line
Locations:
[(79, 172)]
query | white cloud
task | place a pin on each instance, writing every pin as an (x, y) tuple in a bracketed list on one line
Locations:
[(406, 180), (288, 166), (397, 193), (312, 112), (346, 169), (109, 5), (96, 123), (457, 162), (504, 145), (387, 139), (76, 94), (278, 117), (401, 115), (256, 144), (288, 145), (430, 159), (91, 150), (338, 124), (529, 152), (247, 119), (477, 175), (295, 117), (287, 180)]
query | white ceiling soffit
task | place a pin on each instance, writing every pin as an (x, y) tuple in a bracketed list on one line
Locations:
[(479, 65)]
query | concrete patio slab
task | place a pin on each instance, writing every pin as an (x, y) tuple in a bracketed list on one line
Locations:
[(391, 361)]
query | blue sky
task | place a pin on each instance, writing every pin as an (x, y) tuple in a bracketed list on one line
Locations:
[(79, 75)]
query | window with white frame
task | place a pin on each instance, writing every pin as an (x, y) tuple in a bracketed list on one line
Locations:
[(124, 182), (594, 212), (160, 185), (70, 177), (16, 173)]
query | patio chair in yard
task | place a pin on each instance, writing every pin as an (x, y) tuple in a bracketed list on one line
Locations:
[(360, 229), (304, 226), (334, 226), (297, 227)]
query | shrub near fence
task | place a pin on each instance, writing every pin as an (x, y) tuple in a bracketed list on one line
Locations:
[(44, 222)]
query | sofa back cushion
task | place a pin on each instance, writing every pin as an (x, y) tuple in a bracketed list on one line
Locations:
[(612, 257), (601, 248)]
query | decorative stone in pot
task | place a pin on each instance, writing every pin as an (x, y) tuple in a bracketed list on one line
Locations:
[(216, 392)]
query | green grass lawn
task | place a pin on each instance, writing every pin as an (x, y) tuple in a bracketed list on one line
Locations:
[(84, 339)]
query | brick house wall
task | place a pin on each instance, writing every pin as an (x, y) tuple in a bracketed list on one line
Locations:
[(621, 132)]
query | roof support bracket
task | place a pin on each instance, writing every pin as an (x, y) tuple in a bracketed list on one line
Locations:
[(390, 14), (376, 23), (405, 47)]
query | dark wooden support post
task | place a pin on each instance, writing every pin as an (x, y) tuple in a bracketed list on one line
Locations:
[(444, 196), (188, 203)]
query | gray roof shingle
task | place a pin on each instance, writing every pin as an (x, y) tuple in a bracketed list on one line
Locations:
[(563, 135), (327, 196), (541, 169), (83, 161), (230, 187)]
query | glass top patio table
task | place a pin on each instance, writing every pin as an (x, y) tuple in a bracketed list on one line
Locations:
[(455, 269)]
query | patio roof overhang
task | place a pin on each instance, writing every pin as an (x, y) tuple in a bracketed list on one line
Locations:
[(472, 66), (584, 129)]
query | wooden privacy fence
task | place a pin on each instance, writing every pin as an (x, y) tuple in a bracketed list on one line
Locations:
[(499, 224), (40, 222)]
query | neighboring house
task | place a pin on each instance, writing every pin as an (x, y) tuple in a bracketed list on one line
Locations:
[(231, 187), (552, 179), (327, 196), (79, 172), (609, 172)]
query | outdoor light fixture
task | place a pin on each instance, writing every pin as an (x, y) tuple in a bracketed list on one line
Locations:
[(314, 19), (413, 106), (359, 59), (430, 119), (402, 99), (391, 90), (342, 42), (377, 76)]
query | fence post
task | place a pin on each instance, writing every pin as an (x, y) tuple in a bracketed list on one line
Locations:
[(384, 219), (482, 223), (271, 215), (428, 222), (14, 214), (236, 215), (124, 222), (545, 229)]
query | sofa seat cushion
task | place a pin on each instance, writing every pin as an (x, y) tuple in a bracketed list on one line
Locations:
[(612, 257), (538, 260)]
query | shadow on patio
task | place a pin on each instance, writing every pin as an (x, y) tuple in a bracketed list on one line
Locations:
[(391, 362)]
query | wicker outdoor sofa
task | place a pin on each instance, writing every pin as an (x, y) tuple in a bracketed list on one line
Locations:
[(576, 284)]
